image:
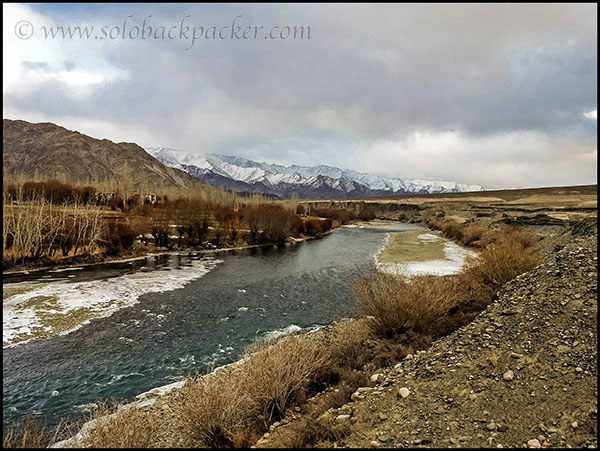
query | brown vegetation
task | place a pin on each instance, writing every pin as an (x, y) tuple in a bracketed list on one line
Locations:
[(111, 426), (256, 392), (431, 304), (41, 218), (475, 235), (30, 434)]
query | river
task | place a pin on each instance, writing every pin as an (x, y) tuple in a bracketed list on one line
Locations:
[(182, 312)]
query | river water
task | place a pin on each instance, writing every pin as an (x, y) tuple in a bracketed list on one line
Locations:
[(181, 313)]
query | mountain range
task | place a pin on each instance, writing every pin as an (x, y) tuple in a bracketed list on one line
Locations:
[(45, 150), (321, 181)]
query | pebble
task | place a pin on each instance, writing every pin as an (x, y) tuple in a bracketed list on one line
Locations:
[(385, 438), (404, 392), (534, 443), (508, 376), (376, 377), (342, 418)]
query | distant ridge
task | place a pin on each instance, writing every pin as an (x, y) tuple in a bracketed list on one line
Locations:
[(307, 181)]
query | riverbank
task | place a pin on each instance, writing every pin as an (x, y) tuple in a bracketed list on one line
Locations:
[(99, 259), (522, 374), (357, 357)]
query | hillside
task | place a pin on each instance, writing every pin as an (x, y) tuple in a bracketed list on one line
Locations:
[(45, 150), (523, 374)]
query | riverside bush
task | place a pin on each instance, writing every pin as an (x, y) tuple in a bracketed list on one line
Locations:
[(433, 304)]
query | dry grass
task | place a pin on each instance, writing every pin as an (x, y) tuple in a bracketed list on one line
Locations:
[(398, 306), (235, 404), (30, 434), (313, 432), (501, 261), (215, 409), (113, 427), (432, 304), (476, 235), (276, 373)]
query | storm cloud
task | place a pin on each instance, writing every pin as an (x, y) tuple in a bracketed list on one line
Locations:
[(498, 95)]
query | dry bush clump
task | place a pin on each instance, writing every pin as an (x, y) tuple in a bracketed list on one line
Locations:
[(500, 262), (232, 404), (30, 434), (399, 306), (517, 234), (124, 427), (215, 408), (275, 373), (472, 234), (437, 305), (476, 235)]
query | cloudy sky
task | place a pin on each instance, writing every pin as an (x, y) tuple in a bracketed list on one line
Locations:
[(498, 95)]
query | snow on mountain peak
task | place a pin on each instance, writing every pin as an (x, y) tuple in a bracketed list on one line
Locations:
[(330, 180)]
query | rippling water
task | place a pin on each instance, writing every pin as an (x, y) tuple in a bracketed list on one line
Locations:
[(199, 324)]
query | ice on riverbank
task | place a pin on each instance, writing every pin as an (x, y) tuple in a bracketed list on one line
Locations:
[(452, 263), (34, 309)]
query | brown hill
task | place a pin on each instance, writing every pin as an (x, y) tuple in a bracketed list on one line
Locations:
[(45, 150)]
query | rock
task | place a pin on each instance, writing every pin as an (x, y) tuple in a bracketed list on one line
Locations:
[(376, 377), (342, 418), (385, 438), (374, 443), (404, 392), (534, 443), (360, 393), (508, 376), (574, 425), (491, 426)]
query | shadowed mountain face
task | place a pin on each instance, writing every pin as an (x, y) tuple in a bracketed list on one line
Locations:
[(46, 150), (306, 181)]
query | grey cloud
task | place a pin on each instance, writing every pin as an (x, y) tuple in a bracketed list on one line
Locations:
[(369, 73)]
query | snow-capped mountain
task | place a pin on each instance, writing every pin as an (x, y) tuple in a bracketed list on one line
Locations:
[(307, 181)]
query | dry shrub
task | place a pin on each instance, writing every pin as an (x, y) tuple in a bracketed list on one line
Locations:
[(500, 262), (125, 427), (434, 305), (314, 431), (215, 408), (231, 405), (347, 352), (517, 234), (30, 434), (472, 234), (346, 341), (399, 306), (273, 374), (452, 229)]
